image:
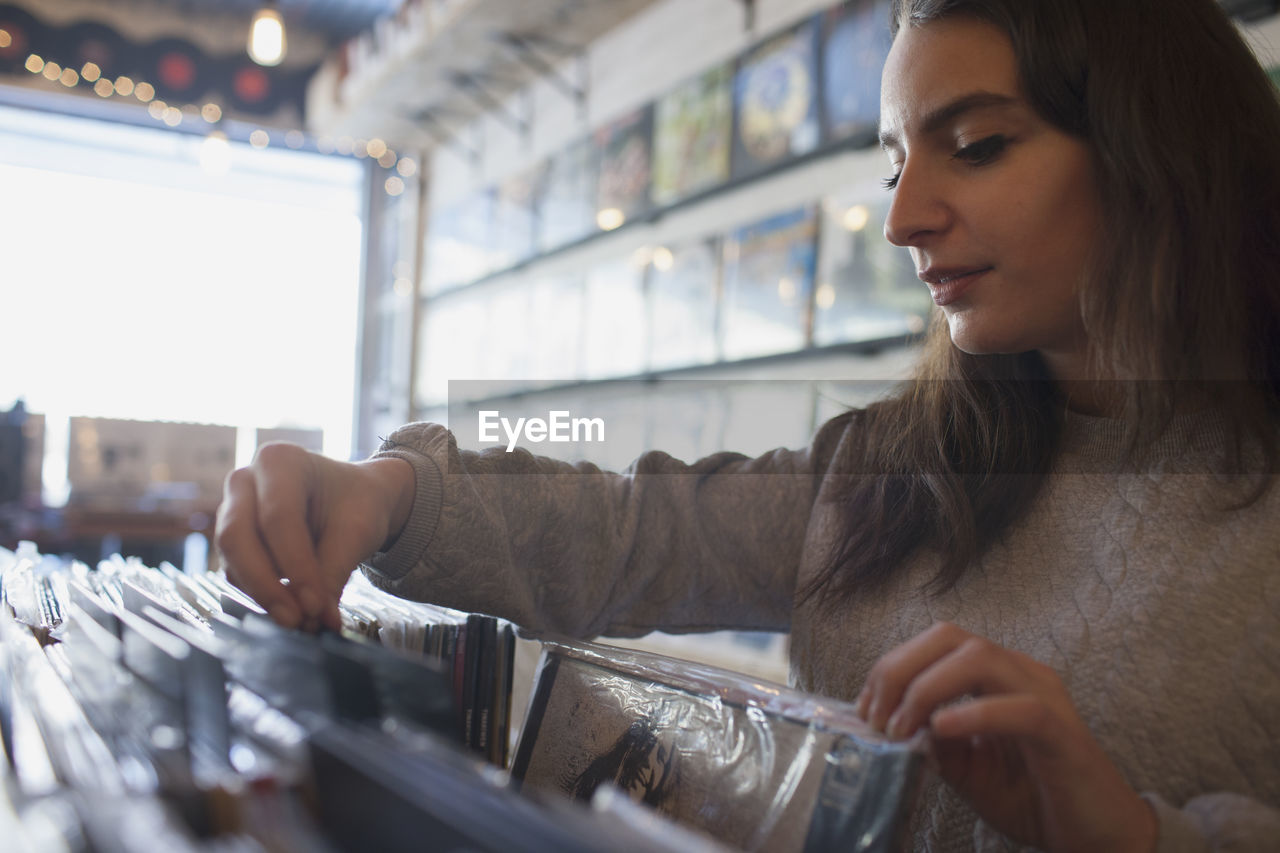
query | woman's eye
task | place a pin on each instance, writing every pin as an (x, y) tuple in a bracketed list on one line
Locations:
[(889, 182), (983, 151)]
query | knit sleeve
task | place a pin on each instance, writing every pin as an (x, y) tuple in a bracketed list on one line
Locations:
[(1216, 822), (577, 550)]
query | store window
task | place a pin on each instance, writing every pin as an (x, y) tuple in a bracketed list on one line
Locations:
[(153, 275)]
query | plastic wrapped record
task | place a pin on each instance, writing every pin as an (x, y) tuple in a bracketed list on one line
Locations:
[(776, 100), (625, 151), (755, 766), (768, 280), (856, 40), (693, 129), (866, 287)]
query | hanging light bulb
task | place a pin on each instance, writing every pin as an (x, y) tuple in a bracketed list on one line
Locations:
[(266, 36)]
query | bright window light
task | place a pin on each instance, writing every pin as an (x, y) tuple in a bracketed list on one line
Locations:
[(136, 282)]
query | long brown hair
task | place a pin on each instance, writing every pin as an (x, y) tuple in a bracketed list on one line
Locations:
[(1182, 305)]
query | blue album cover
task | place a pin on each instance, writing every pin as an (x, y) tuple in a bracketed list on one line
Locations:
[(776, 100), (856, 41), (768, 284)]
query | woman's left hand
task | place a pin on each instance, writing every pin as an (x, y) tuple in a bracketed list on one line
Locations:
[(1018, 751)]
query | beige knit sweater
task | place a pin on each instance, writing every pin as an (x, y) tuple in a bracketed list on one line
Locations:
[(1159, 609)]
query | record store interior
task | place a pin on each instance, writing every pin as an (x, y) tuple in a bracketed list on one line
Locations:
[(228, 223)]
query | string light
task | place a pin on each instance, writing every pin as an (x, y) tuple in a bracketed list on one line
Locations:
[(266, 36), (172, 116)]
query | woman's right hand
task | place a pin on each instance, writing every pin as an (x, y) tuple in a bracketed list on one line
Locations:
[(296, 516)]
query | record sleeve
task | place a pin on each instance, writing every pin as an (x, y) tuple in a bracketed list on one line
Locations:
[(866, 287), (683, 297), (693, 129), (768, 278), (856, 41), (567, 196), (718, 752), (625, 151), (775, 97)]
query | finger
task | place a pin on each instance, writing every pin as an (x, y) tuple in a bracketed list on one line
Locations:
[(1020, 715), (248, 565), (282, 483), (892, 674), (338, 557), (975, 667)]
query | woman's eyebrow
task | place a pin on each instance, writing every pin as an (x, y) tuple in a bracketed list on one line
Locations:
[(939, 118)]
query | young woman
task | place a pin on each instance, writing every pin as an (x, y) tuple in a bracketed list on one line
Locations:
[(1057, 547)]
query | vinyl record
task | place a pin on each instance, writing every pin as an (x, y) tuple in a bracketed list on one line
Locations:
[(178, 70)]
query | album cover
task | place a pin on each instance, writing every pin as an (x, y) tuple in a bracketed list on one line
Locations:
[(776, 97), (625, 151), (867, 288), (856, 40), (567, 197), (684, 292), (768, 280), (693, 129), (714, 751)]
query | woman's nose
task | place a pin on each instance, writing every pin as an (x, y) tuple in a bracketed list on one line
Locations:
[(917, 212)]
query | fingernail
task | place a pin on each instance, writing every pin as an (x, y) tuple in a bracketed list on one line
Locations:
[(895, 726), (860, 703), (285, 614)]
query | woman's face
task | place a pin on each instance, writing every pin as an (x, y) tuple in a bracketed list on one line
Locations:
[(999, 208)]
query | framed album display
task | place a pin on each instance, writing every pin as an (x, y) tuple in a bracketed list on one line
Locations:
[(683, 298), (768, 281), (624, 149), (855, 42), (693, 128), (866, 287), (775, 100)]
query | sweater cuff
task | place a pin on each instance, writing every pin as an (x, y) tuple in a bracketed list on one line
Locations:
[(424, 515), (1176, 832)]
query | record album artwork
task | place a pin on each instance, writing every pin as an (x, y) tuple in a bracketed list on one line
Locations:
[(567, 197), (625, 151), (776, 100), (693, 128), (856, 40), (744, 762), (866, 287), (768, 280), (684, 291)]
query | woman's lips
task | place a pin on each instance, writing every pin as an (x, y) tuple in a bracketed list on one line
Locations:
[(946, 286)]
